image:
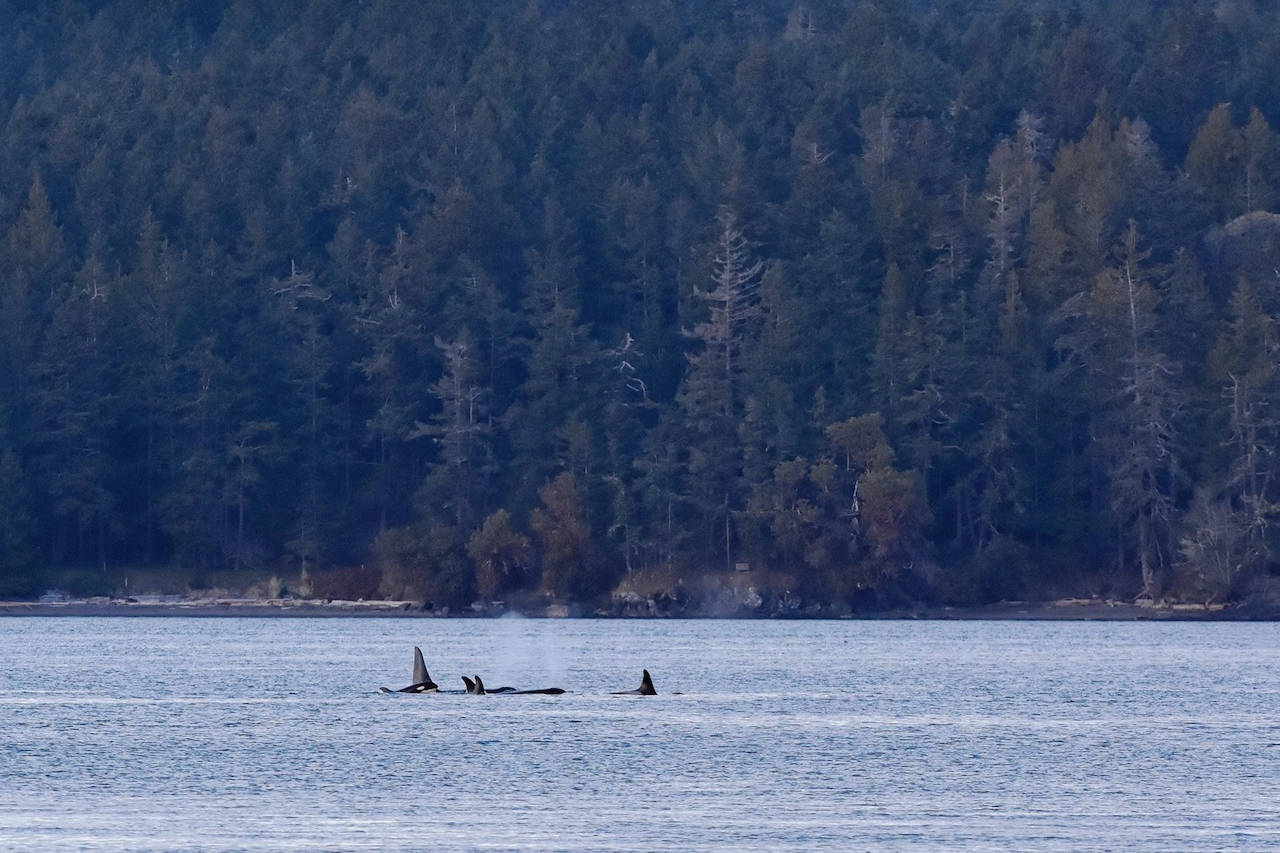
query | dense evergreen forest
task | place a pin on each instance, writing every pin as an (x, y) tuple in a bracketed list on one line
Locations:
[(948, 301)]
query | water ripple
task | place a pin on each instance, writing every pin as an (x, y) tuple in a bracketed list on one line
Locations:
[(259, 734)]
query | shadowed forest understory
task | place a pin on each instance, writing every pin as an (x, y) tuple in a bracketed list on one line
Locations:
[(946, 302)]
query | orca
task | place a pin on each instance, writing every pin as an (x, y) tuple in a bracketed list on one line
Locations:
[(645, 688), (422, 682), (476, 688)]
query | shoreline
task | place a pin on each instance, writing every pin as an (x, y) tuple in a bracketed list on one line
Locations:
[(1060, 611)]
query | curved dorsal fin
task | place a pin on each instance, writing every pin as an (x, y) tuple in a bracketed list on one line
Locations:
[(419, 667), (471, 685), (479, 686), (646, 685)]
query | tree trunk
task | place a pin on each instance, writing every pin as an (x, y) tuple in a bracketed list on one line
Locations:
[(1144, 557), (728, 551)]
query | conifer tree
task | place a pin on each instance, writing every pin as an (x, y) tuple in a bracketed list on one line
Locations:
[(1139, 436), (153, 312), (18, 554), (1260, 152), (35, 277), (303, 306), (1233, 512), (387, 317), (454, 488), (712, 397), (561, 355), (1214, 162), (74, 417)]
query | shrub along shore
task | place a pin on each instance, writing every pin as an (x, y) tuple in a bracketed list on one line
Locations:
[(736, 597)]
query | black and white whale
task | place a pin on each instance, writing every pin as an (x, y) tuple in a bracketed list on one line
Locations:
[(475, 686), (422, 682), (645, 688)]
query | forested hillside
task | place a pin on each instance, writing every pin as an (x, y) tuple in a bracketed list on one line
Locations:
[(949, 301)]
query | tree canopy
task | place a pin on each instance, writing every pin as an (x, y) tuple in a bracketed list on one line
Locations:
[(941, 300)]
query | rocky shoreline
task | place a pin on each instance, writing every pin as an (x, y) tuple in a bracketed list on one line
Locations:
[(1067, 609)]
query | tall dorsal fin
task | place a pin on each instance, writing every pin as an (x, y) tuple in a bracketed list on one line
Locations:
[(471, 685), (646, 685), (419, 667), (479, 686)]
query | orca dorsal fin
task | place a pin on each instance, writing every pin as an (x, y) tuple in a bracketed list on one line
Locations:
[(471, 685), (479, 686), (646, 685), (420, 675)]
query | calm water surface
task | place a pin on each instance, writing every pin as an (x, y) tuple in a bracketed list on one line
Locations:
[(269, 734)]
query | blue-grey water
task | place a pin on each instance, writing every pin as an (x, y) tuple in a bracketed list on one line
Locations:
[(269, 734)]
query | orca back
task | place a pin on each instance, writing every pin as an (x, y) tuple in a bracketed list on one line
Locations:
[(645, 688), (422, 682)]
